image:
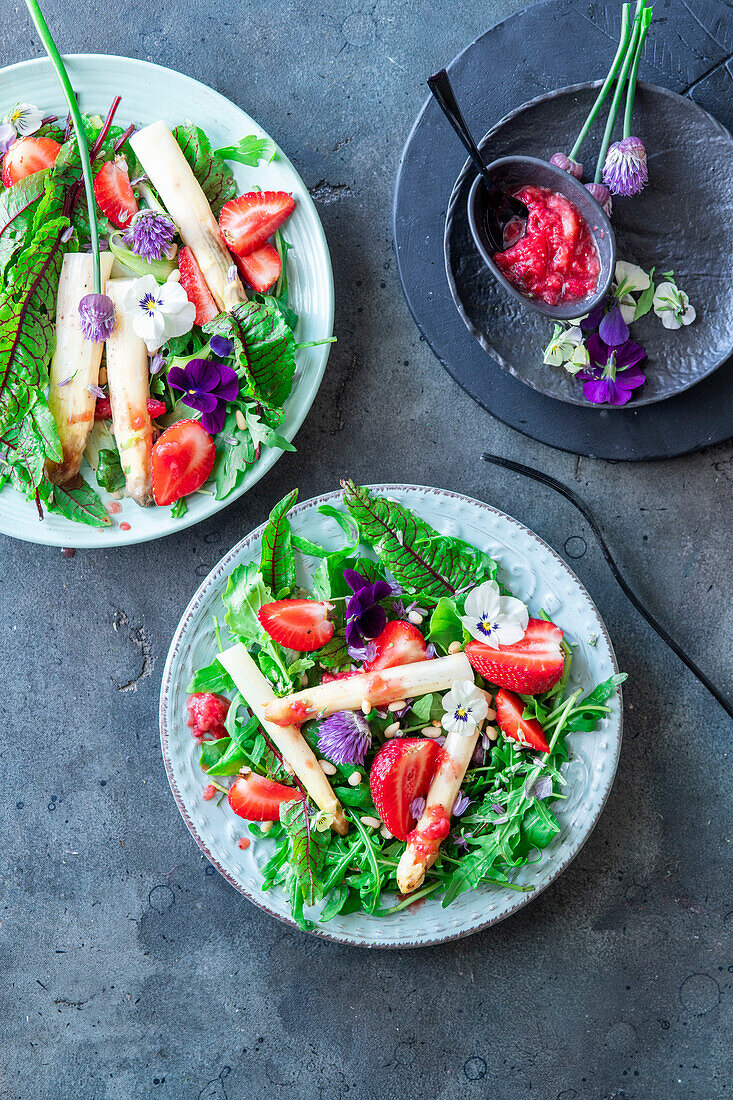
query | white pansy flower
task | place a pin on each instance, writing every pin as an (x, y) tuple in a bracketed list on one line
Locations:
[(566, 347), (627, 305), (673, 306), (629, 278), (493, 618), (465, 707), (25, 118), (158, 312)]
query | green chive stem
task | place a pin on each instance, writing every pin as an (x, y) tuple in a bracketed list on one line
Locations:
[(605, 88), (620, 84), (63, 77), (631, 90)]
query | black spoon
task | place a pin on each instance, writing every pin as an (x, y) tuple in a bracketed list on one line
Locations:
[(506, 217)]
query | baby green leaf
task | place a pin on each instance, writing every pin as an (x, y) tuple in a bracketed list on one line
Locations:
[(250, 150), (278, 560)]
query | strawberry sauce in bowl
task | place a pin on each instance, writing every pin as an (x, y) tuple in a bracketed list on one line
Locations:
[(563, 264)]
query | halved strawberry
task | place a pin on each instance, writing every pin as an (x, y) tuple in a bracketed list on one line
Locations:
[(297, 624), (256, 798), (261, 269), (527, 731), (398, 644), (194, 283), (329, 677), (114, 194), (26, 156), (531, 665), (183, 458), (402, 770), (247, 222), (103, 408)]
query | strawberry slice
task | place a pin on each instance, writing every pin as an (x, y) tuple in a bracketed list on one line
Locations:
[(297, 624), (183, 458), (531, 665), (194, 283), (398, 644), (261, 269), (256, 798), (247, 222), (402, 771), (103, 408), (527, 731), (26, 156), (329, 677), (114, 194)]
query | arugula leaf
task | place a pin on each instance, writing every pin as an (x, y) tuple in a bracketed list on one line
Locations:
[(213, 677), (307, 849), (262, 434), (235, 451), (605, 689), (213, 174), (244, 596), (179, 509), (264, 348), (80, 503), (250, 150), (109, 471), (278, 561)]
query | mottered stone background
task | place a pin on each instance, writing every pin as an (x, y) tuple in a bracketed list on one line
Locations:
[(129, 967)]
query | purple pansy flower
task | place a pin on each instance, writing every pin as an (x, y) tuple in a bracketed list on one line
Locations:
[(97, 318), (207, 386), (344, 737), (625, 171), (150, 234), (594, 318), (365, 618), (572, 167), (614, 372), (221, 346), (612, 329)]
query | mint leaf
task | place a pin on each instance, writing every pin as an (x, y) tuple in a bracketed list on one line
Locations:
[(278, 561), (250, 150), (213, 174)]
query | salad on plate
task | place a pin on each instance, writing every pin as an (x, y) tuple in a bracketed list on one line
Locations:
[(147, 345), (392, 727)]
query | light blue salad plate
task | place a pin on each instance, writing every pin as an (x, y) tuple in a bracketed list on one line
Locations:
[(537, 575), (151, 92)]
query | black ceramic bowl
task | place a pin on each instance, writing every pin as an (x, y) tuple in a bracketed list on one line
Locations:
[(511, 173)]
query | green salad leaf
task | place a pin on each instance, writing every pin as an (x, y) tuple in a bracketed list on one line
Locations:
[(213, 174), (79, 503), (244, 596), (307, 849), (250, 150), (277, 565), (109, 471), (264, 348)]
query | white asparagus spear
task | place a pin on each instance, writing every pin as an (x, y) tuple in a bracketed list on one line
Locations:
[(424, 841), (289, 740), (379, 688), (171, 175), (72, 404), (128, 378)]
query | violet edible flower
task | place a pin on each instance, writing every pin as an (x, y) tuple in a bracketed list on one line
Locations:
[(97, 317), (157, 362), (206, 386), (7, 137), (221, 346), (344, 737), (150, 234), (613, 330), (614, 372), (625, 169), (417, 807), (461, 804), (362, 653), (594, 318), (572, 167), (602, 196), (365, 618)]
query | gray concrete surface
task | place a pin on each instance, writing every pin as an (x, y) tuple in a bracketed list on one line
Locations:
[(129, 967)]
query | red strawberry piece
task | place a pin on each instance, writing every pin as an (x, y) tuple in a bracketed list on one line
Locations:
[(398, 644), (260, 269), (183, 458), (26, 156), (209, 792), (402, 770), (114, 194), (298, 624), (206, 711), (246, 223), (156, 408), (256, 798), (527, 731), (328, 677), (194, 283), (103, 408), (530, 666)]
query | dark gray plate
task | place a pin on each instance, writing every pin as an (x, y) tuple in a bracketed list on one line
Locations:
[(682, 221)]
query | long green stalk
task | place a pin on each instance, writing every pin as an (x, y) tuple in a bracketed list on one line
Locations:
[(631, 90), (605, 88), (620, 85), (63, 77)]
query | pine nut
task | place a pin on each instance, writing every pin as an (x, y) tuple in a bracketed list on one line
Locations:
[(371, 822), (392, 730), (431, 731), (241, 422), (415, 617), (174, 277), (327, 767), (266, 826), (386, 833), (103, 376), (399, 704), (245, 771), (454, 647), (490, 715), (436, 722), (366, 706), (493, 733), (304, 679), (355, 779)]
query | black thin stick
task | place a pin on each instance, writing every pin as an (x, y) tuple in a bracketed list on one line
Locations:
[(558, 486)]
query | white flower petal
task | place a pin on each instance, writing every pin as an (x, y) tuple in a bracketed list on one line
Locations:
[(150, 327), (634, 278), (177, 324), (627, 305), (147, 285), (26, 118), (689, 315), (669, 320), (172, 298), (484, 599)]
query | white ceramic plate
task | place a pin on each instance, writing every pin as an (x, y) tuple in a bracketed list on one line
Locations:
[(151, 92), (538, 576)]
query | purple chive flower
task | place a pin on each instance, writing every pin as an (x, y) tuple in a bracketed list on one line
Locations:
[(96, 390), (625, 171), (150, 234), (97, 318), (573, 167), (416, 807), (613, 330), (344, 737), (221, 346), (497, 808), (459, 841), (365, 618), (7, 137), (362, 653), (157, 362), (206, 386), (461, 804), (614, 372), (431, 651), (541, 788), (602, 196)]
